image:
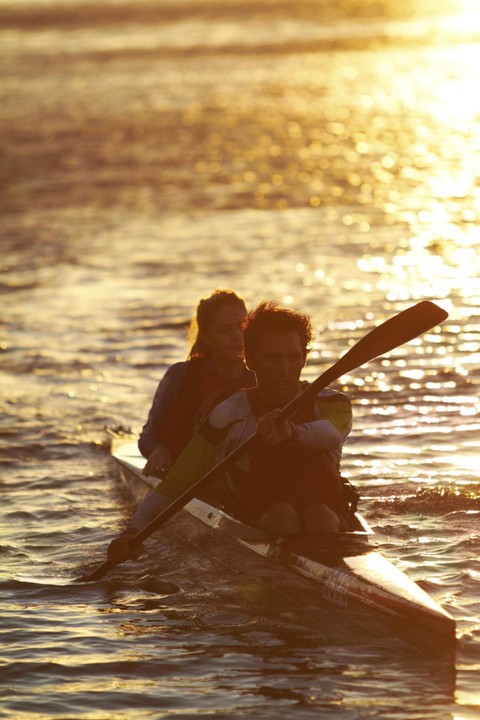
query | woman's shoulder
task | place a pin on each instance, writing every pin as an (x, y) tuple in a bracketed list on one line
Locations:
[(178, 366), (175, 372), (183, 367)]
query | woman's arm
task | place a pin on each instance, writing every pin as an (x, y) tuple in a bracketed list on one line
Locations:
[(165, 397)]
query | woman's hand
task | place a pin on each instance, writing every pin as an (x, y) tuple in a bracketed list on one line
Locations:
[(159, 462), (272, 433)]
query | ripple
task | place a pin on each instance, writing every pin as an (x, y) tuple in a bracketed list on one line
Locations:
[(343, 183)]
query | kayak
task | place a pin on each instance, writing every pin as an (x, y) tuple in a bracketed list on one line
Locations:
[(348, 571)]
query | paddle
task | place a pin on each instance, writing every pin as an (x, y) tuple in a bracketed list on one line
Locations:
[(394, 332)]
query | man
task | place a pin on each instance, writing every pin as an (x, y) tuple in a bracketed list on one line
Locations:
[(290, 481)]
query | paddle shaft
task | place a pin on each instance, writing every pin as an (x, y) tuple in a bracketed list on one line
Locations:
[(394, 332)]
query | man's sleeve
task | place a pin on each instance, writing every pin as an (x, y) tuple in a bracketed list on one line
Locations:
[(335, 407), (333, 413)]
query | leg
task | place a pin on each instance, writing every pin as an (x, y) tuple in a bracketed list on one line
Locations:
[(319, 518), (281, 519)]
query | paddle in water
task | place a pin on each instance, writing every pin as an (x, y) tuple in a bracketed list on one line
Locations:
[(394, 332)]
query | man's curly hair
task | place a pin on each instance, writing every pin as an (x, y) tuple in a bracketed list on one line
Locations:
[(269, 317)]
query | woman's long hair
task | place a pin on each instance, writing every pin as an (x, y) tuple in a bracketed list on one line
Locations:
[(204, 316)]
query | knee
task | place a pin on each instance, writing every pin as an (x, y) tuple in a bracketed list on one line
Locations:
[(319, 518), (281, 519)]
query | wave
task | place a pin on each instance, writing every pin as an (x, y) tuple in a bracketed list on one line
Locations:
[(166, 29), (436, 501)]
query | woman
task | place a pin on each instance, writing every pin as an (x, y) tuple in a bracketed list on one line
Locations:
[(215, 368)]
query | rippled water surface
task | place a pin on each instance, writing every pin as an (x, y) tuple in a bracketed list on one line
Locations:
[(321, 154)]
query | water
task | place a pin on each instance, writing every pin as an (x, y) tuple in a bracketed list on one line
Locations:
[(324, 155)]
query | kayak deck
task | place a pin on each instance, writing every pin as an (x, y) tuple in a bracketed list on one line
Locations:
[(345, 567)]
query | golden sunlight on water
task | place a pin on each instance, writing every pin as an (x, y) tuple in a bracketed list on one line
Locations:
[(395, 141), (325, 154)]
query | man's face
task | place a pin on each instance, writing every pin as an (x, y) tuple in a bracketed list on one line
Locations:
[(277, 364)]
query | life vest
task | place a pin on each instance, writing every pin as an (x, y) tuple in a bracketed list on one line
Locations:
[(201, 389), (286, 472)]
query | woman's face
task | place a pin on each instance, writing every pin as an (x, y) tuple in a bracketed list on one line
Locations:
[(224, 337)]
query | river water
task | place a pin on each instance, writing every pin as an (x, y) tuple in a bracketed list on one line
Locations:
[(321, 154)]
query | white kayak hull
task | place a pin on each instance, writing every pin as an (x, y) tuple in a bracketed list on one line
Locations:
[(345, 568)]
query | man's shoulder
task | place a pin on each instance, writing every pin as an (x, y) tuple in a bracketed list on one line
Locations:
[(335, 406), (330, 395), (233, 408)]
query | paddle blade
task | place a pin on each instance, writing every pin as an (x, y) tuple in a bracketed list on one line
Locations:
[(96, 574), (391, 334)]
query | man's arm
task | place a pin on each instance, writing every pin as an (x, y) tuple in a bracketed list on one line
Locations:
[(332, 424)]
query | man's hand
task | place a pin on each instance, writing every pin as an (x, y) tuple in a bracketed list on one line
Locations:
[(159, 462), (122, 549), (270, 432)]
